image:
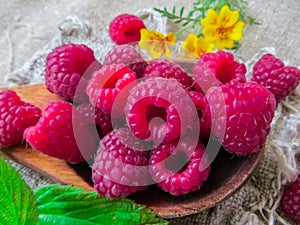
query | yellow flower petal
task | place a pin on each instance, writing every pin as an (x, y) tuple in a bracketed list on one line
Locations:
[(204, 46), (157, 43), (156, 49), (237, 31), (211, 18), (228, 17), (210, 33), (145, 45), (171, 38), (168, 52), (190, 42), (224, 43), (194, 47), (223, 28)]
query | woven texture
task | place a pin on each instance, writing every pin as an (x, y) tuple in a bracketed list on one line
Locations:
[(257, 201)]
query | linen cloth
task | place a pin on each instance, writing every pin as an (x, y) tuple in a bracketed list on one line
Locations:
[(257, 201)]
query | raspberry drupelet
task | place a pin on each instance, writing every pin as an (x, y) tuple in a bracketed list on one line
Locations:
[(159, 110), (54, 135), (179, 168), (167, 69), (128, 55), (271, 72), (121, 164), (241, 116), (216, 69), (15, 116), (125, 29), (65, 68)]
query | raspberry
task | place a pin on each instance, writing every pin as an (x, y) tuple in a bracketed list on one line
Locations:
[(94, 116), (271, 72), (15, 116), (128, 55), (125, 29), (179, 169), (54, 135), (159, 110), (218, 68), (241, 114), (290, 201), (65, 67), (105, 86), (120, 166), (201, 103), (167, 69)]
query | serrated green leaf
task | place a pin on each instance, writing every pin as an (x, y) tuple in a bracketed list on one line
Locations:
[(67, 205), (16, 199)]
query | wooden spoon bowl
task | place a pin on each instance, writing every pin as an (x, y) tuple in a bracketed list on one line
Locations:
[(228, 172)]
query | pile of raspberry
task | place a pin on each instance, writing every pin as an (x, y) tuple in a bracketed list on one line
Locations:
[(143, 122), (147, 122)]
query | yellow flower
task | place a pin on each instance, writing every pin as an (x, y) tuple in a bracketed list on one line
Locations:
[(223, 28), (194, 47), (157, 43)]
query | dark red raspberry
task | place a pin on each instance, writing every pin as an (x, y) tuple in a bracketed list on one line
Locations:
[(241, 115), (65, 67), (125, 29), (128, 55), (290, 200), (179, 168), (271, 72), (105, 86), (218, 68), (121, 165), (201, 103), (159, 110), (54, 135), (167, 69), (94, 116), (15, 116)]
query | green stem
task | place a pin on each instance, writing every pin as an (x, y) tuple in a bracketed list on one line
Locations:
[(178, 33)]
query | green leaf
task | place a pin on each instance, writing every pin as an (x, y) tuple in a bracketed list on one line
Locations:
[(67, 205), (181, 11), (16, 199), (173, 10)]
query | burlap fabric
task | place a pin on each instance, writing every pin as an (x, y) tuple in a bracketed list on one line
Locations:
[(257, 201)]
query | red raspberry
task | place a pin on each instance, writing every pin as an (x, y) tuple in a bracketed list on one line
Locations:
[(179, 169), (167, 69), (125, 29), (15, 116), (128, 55), (271, 72), (159, 110), (121, 165), (54, 135), (105, 86), (94, 116), (65, 67), (241, 115), (290, 201), (216, 69), (201, 103)]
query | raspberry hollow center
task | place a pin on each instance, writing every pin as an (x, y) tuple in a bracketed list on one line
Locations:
[(224, 74), (115, 77), (131, 32), (153, 111), (177, 163)]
